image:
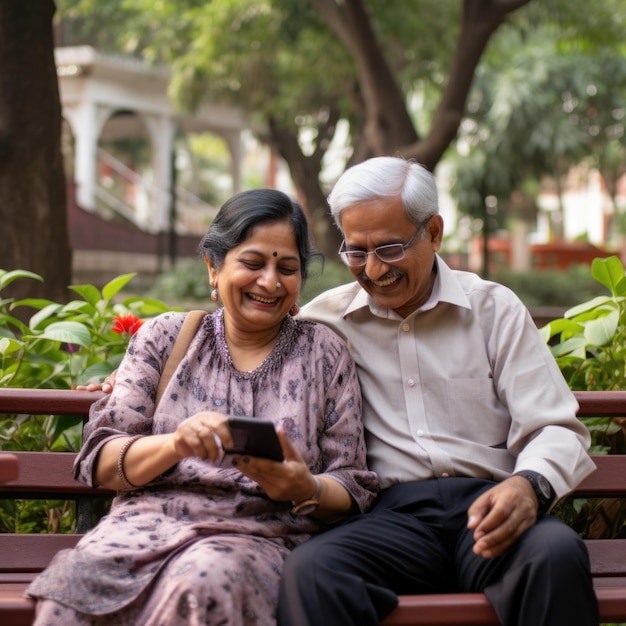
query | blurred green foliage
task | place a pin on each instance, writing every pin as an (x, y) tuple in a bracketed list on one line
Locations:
[(63, 345), (558, 288)]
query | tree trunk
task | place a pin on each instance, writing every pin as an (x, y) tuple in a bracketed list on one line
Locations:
[(388, 125), (305, 172), (481, 18), (32, 180)]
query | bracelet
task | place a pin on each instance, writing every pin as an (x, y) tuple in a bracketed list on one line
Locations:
[(120, 463)]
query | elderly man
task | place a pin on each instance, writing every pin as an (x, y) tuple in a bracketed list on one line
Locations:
[(470, 427)]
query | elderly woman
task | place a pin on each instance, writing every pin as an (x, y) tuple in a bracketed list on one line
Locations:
[(195, 536)]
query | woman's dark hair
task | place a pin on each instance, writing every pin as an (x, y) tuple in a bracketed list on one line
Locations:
[(246, 210)]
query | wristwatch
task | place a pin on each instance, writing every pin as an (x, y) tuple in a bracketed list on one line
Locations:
[(542, 488), (308, 506)]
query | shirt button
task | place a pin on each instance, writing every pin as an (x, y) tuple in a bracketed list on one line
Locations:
[(420, 433), (411, 382), (405, 327)]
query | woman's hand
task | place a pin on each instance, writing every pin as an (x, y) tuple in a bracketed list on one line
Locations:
[(291, 480), (204, 435)]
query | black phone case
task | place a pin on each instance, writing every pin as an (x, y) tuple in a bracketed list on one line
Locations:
[(254, 436)]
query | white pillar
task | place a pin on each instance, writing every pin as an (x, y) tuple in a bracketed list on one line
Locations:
[(86, 121), (162, 131)]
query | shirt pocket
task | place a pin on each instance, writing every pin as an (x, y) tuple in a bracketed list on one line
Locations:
[(470, 410)]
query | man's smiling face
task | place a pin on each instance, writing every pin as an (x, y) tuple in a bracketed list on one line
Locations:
[(402, 285)]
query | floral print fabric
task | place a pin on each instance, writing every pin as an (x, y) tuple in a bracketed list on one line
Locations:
[(210, 523)]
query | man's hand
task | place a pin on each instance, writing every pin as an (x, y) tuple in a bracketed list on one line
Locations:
[(501, 515)]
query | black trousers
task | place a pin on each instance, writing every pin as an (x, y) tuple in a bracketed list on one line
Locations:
[(415, 540)]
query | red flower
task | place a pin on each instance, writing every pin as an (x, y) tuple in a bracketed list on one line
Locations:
[(126, 324)]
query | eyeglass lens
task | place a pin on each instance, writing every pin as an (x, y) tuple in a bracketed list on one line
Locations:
[(388, 253)]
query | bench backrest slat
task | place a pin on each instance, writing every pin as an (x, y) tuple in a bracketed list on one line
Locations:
[(608, 480), (31, 553), (43, 472), (608, 557), (47, 401), (601, 403)]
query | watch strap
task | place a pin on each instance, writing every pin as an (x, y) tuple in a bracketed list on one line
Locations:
[(543, 489), (309, 505)]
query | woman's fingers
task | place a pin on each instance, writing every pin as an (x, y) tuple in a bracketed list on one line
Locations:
[(211, 442)]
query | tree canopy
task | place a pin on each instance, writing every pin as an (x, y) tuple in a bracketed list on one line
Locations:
[(403, 76)]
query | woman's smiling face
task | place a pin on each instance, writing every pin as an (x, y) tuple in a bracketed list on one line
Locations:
[(260, 279)]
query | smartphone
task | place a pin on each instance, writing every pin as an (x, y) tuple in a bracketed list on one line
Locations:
[(254, 436)]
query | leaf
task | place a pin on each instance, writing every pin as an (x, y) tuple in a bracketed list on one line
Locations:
[(43, 315), (88, 292), (557, 326), (65, 431), (78, 305), (7, 278), (67, 332), (9, 346), (116, 285), (95, 373), (586, 306), (576, 346), (610, 273), (148, 307), (601, 331), (35, 303)]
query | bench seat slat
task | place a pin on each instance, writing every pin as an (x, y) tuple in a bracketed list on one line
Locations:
[(427, 610), (16, 610), (471, 609), (445, 608)]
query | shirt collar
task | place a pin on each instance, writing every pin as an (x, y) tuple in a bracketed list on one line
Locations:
[(446, 288)]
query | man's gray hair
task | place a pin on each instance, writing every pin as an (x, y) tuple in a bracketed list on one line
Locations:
[(386, 177)]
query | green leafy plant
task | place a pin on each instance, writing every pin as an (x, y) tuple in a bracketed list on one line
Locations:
[(61, 346), (64, 345), (588, 343)]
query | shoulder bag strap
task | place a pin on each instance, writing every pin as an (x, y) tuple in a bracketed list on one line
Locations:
[(186, 334)]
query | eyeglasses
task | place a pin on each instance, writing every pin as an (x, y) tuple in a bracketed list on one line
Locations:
[(389, 253)]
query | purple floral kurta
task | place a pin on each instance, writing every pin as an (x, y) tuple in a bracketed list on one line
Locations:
[(203, 544)]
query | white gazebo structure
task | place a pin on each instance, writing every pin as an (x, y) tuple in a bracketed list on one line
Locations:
[(130, 96)]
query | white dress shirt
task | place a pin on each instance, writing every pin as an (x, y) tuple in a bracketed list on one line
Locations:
[(464, 386)]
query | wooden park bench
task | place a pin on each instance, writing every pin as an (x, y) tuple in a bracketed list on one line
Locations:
[(48, 475)]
